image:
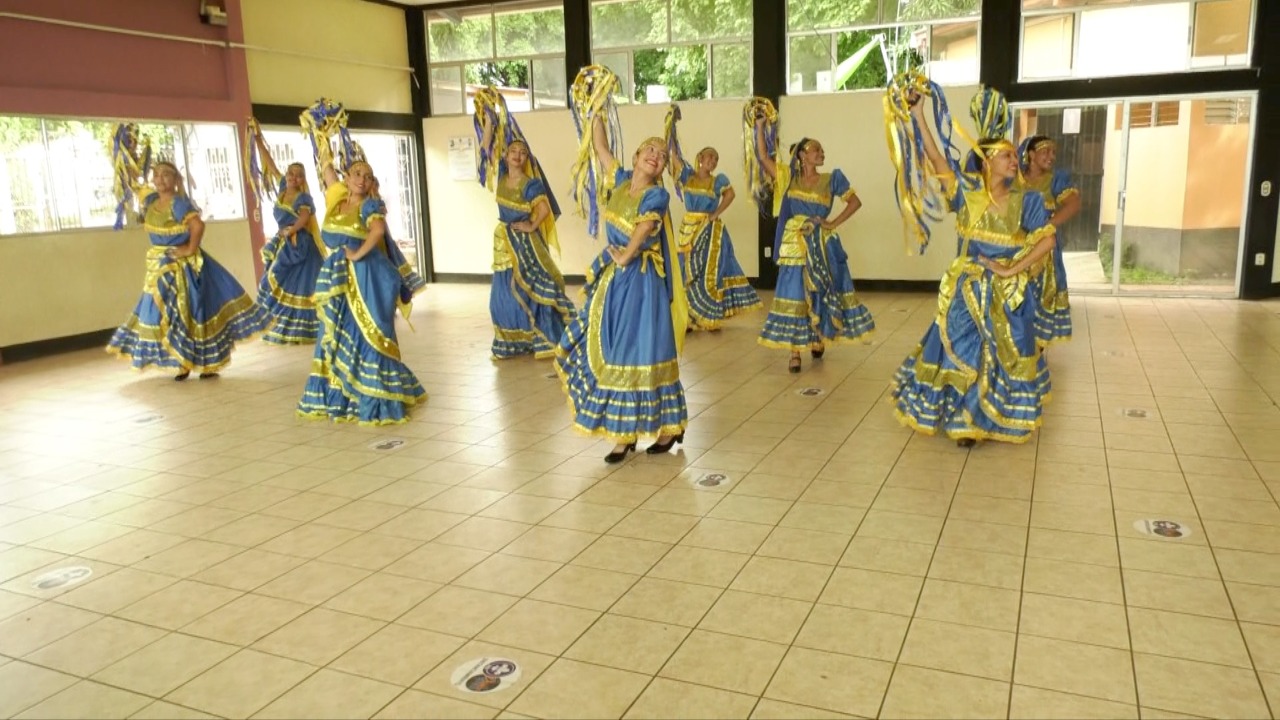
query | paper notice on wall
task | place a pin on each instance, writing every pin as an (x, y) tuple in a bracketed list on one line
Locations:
[(1071, 121), (462, 157)]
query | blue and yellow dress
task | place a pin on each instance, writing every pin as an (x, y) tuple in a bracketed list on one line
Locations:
[(290, 268), (978, 372), (1055, 322), (357, 374), (814, 300), (527, 302), (717, 287), (618, 358), (192, 310)]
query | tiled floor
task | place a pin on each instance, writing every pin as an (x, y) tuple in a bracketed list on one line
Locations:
[(248, 564)]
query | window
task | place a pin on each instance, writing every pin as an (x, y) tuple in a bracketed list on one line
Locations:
[(1145, 115), (1078, 39), (837, 45), (1233, 111), (518, 48), (394, 163), (665, 50), (56, 174)]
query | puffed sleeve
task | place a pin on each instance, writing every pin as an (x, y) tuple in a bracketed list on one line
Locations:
[(840, 185), (686, 173), (372, 209), (1035, 217), (654, 206), (184, 209), (304, 201), (1063, 185), (722, 184), (534, 191)]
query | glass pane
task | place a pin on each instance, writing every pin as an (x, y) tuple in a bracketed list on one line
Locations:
[(910, 10), (510, 77), (710, 19), (211, 167), (539, 31), (620, 64), (871, 72), (953, 53), (670, 74), (446, 91), (470, 38), (391, 157), (1048, 44), (1221, 33), (731, 70), (1065, 4), (809, 64), (81, 182), (627, 23), (1109, 45), (803, 15), (549, 87), (289, 146), (26, 205), (1184, 203)]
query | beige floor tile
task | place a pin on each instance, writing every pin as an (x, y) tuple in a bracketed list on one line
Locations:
[(92, 648), (726, 535), (744, 508), (622, 554), (398, 654), (628, 643), (995, 510), (570, 689), (160, 710), (900, 526), (1189, 637), (1264, 645), (382, 596), (319, 636), (164, 665), (919, 693), (1175, 593), (671, 699), (863, 633), (702, 660), (783, 578), (245, 619), (313, 583), (895, 556), (371, 551), (1255, 603), (483, 533), (1198, 688), (977, 568), (666, 601), (1055, 516), (696, 565), (563, 487), (242, 684), (584, 587), (965, 604), (413, 705), (1169, 558), (553, 544), (89, 700), (867, 590), (459, 611), (618, 494), (959, 648), (762, 617), (1088, 670), (1083, 621), (1036, 704), (768, 709), (1072, 547), (437, 563), (1077, 580), (587, 517), (804, 545), (438, 681), (331, 695), (806, 677), (507, 574), (188, 558), (539, 626), (248, 570), (654, 526), (27, 685), (419, 524), (38, 626)]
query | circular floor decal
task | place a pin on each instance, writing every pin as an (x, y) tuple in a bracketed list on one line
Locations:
[(486, 675), (62, 577), (1135, 413), (388, 444), (711, 480), (811, 392), (1171, 529)]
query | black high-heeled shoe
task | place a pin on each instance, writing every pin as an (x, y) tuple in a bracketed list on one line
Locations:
[(182, 376), (206, 376), (817, 354), (661, 449), (618, 456), (793, 366), (966, 442)]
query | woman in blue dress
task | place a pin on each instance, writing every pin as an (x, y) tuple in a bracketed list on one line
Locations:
[(979, 373), (357, 374), (527, 302), (291, 259), (192, 311), (814, 300), (1038, 155), (618, 358), (717, 288)]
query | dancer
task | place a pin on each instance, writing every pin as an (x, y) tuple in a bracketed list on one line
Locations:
[(1037, 156), (527, 302), (717, 287), (291, 258), (192, 311), (814, 300), (978, 373), (357, 374), (618, 358)]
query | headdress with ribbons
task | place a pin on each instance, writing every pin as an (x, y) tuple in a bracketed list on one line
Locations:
[(260, 171), (590, 97), (130, 163), (491, 160), (673, 147), (325, 124), (758, 181)]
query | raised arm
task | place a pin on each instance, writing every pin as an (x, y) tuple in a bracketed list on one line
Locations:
[(936, 158), (762, 149), (601, 143), (329, 174)]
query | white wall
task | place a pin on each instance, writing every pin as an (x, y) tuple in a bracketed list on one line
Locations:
[(68, 283), (850, 126), (463, 213)]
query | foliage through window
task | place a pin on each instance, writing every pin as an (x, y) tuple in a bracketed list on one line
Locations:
[(56, 174), (857, 44), (673, 50), (518, 48)]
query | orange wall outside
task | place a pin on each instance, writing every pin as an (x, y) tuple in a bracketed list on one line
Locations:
[(1216, 159)]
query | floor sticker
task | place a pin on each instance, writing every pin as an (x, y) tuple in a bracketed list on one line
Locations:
[(486, 675)]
